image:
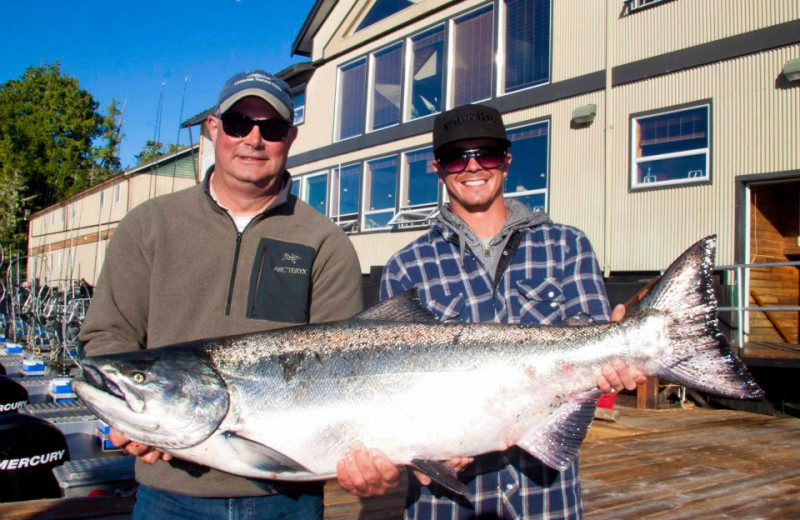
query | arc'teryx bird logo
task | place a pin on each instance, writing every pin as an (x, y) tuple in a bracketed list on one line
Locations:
[(291, 257)]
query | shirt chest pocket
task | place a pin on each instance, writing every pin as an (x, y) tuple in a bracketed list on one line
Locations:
[(280, 282), (541, 301)]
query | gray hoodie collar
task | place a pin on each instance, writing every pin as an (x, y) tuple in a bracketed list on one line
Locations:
[(519, 216)]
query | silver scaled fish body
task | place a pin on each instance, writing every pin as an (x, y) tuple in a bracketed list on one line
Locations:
[(285, 404)]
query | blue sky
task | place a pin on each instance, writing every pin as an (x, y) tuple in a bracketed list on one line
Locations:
[(125, 50)]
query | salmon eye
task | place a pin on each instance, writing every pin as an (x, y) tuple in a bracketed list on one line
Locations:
[(137, 377)]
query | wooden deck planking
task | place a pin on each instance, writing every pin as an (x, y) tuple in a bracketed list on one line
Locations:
[(694, 464)]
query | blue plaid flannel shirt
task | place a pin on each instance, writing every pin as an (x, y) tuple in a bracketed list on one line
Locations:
[(552, 274)]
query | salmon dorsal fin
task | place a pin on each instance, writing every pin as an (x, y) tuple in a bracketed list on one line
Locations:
[(558, 441), (405, 307)]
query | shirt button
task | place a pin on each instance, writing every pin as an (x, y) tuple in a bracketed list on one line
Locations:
[(551, 294), (509, 487), (553, 305)]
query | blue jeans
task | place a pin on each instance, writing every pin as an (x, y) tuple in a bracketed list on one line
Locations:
[(157, 504)]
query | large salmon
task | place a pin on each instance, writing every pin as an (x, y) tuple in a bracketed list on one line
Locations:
[(285, 404)]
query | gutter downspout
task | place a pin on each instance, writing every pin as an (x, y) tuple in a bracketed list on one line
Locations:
[(607, 137)]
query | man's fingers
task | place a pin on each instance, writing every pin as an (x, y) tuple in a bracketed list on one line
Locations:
[(424, 479), (618, 313), (389, 473), (116, 438)]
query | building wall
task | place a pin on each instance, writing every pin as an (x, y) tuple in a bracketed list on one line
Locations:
[(67, 241), (754, 129), (624, 63)]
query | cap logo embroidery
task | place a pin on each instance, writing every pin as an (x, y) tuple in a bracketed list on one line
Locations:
[(469, 117)]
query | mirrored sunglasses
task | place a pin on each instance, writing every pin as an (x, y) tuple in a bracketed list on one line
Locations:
[(235, 124), (456, 160)]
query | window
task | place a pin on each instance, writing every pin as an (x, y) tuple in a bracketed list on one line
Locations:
[(670, 148), (527, 44), (387, 72), (116, 193), (380, 184), (472, 52), (407, 80), (352, 93), (347, 193), (315, 192), (296, 187), (102, 193), (635, 5), (299, 100), (527, 175), (383, 9), (419, 201), (426, 77)]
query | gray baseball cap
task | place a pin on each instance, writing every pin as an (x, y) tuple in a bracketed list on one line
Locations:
[(260, 84)]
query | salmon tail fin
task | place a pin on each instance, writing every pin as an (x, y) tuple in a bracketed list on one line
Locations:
[(700, 356)]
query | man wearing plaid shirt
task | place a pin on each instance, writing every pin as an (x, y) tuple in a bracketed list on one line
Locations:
[(490, 259)]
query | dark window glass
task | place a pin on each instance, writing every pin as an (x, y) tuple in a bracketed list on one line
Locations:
[(381, 10), (349, 189), (386, 90), (427, 77), (472, 56), (527, 52), (352, 96), (423, 184)]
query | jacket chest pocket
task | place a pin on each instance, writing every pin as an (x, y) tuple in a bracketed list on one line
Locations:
[(542, 301), (280, 283)]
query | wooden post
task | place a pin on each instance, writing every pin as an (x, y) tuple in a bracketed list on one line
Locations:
[(647, 394)]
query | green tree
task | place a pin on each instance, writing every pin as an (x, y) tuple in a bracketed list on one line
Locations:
[(48, 126), (151, 150), (107, 152)]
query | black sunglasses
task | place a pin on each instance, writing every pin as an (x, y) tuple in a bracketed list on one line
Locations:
[(239, 125), (456, 160)]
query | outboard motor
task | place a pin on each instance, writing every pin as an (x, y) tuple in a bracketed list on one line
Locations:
[(30, 448), (13, 396)]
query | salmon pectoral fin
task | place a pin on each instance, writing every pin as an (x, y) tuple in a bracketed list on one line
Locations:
[(557, 442), (442, 474), (263, 457)]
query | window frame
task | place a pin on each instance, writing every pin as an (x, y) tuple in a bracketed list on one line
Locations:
[(411, 215), (638, 5), (370, 109), (337, 137), (366, 193), (304, 189), (450, 39), (546, 190), (348, 221), (301, 109), (634, 185), (501, 88), (408, 90)]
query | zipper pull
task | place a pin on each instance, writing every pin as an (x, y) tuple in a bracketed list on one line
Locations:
[(486, 249)]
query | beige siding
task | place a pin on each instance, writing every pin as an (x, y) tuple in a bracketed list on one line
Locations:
[(376, 249), (685, 23), (749, 116), (145, 187), (579, 24)]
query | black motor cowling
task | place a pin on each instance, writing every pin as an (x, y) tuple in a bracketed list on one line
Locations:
[(13, 396), (30, 448)]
